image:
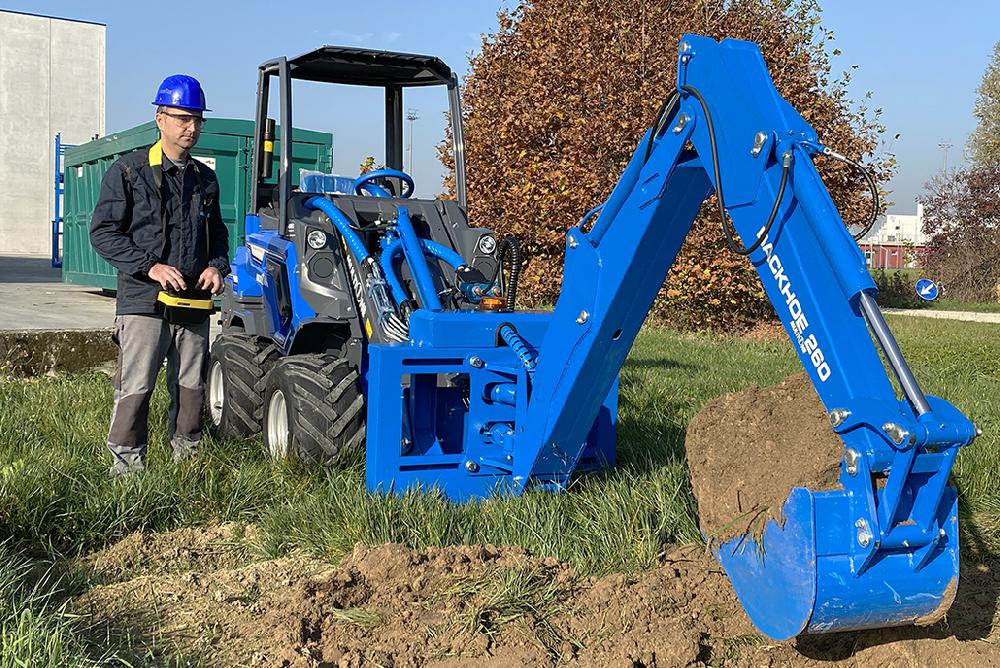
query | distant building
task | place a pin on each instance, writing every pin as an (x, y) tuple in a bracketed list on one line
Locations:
[(51, 80), (896, 241)]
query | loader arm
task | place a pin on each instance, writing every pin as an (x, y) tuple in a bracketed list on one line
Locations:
[(539, 396)]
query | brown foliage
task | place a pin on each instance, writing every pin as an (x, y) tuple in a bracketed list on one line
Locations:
[(559, 96), (962, 221)]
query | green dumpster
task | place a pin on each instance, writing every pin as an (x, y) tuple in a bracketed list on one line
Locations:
[(226, 145)]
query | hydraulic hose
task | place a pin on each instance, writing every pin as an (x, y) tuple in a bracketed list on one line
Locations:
[(727, 226), (429, 247), (520, 348), (508, 246), (415, 259), (872, 187), (342, 223)]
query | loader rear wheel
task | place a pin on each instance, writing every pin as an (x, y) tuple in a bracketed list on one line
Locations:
[(314, 409), (234, 393)]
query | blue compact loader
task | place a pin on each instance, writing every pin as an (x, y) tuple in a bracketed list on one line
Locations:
[(357, 315)]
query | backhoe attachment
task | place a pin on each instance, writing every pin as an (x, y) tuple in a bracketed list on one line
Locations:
[(537, 392)]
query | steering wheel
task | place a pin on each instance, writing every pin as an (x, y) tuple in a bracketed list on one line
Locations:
[(365, 182)]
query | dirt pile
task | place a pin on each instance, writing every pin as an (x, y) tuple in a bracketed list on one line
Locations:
[(747, 450), (37, 352), (465, 606)]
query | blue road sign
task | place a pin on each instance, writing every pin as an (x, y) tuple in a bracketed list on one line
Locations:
[(927, 289)]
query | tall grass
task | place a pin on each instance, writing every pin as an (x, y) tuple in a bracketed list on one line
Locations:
[(56, 500)]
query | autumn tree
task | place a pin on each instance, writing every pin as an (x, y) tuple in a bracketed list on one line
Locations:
[(557, 99), (984, 143), (962, 222)]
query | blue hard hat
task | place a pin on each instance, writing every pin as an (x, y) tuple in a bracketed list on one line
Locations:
[(180, 90)]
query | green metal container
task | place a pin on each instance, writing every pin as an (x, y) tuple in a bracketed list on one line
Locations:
[(226, 145)]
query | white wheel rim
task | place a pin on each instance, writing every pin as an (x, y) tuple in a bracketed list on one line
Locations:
[(277, 426), (216, 393)]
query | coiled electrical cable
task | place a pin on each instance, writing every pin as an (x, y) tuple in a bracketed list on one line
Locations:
[(508, 246)]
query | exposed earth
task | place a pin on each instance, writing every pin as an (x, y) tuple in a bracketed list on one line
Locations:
[(197, 592), (747, 450)]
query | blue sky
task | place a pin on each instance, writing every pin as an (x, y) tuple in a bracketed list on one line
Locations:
[(921, 60)]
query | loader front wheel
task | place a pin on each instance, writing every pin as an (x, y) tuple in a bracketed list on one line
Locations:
[(234, 391), (313, 409)]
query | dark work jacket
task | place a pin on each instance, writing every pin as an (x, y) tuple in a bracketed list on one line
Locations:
[(127, 229)]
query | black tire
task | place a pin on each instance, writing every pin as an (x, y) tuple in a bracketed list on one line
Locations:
[(320, 413), (240, 362)]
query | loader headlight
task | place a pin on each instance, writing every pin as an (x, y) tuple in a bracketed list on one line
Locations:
[(316, 239), (487, 244)]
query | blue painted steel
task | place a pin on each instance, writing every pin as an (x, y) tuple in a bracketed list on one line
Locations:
[(882, 551), (926, 289), (415, 260), (57, 218), (342, 223), (364, 182), (258, 267)]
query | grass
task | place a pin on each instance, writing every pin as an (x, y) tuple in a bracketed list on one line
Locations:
[(55, 500), (943, 304)]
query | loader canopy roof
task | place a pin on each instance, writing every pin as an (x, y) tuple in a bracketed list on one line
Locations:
[(367, 67)]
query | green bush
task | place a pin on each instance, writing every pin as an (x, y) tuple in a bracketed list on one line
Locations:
[(896, 290)]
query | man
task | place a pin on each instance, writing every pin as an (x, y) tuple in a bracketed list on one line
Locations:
[(158, 222)]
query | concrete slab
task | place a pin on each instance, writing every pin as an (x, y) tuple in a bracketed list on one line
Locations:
[(968, 316), (33, 297)]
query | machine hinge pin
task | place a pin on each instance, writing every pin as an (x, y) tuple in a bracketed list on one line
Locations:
[(837, 416), (471, 466), (851, 459), (682, 120), (582, 318), (864, 533), (895, 432), (476, 362)]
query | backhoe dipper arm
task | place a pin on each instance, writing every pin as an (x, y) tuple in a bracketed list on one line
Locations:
[(729, 131)]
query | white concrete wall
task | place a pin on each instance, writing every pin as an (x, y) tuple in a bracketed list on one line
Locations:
[(51, 80), (898, 229)]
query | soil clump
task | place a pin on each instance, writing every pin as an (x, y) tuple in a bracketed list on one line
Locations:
[(747, 451)]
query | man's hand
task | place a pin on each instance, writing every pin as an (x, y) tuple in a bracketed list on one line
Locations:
[(211, 279), (168, 277)]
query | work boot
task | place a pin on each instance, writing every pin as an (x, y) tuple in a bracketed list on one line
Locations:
[(184, 448), (120, 470)]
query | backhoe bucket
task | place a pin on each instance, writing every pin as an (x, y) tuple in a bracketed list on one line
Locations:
[(818, 572)]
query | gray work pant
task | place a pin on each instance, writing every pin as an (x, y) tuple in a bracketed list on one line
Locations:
[(144, 341)]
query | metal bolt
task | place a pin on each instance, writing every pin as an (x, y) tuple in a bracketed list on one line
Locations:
[(759, 140), (979, 432), (864, 533), (895, 432), (404, 445), (851, 459), (510, 458), (837, 416), (682, 120), (582, 318), (471, 466), (684, 47), (571, 241), (476, 362)]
